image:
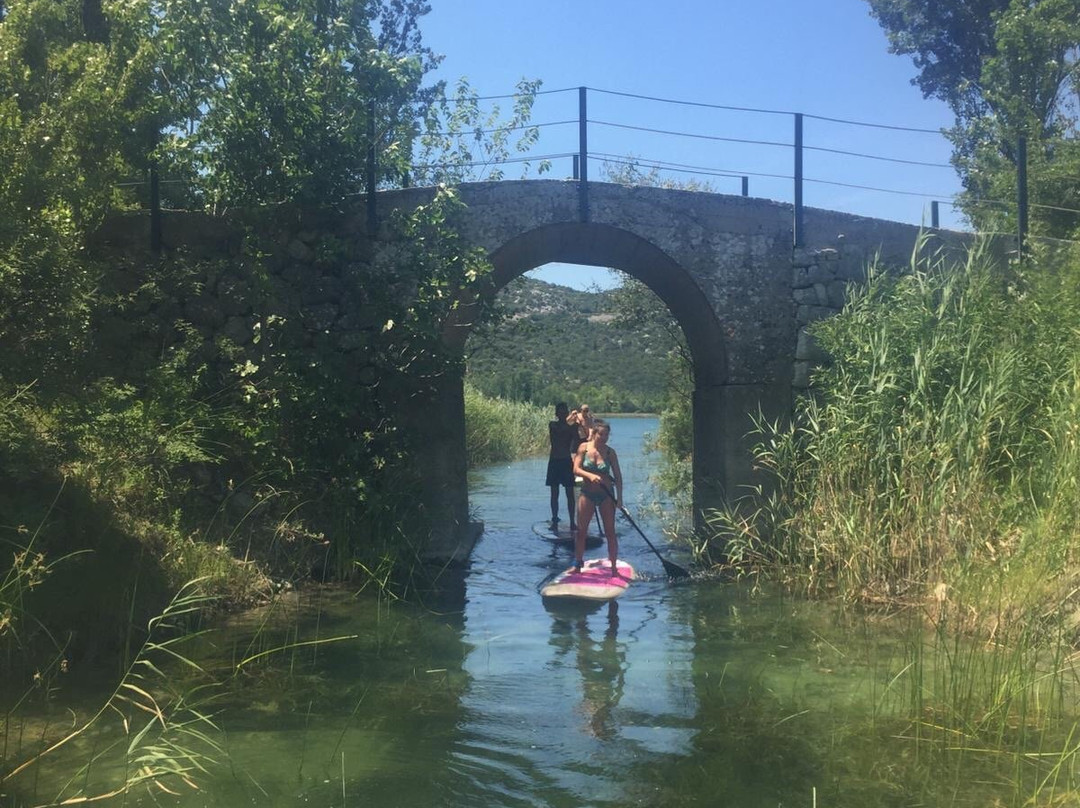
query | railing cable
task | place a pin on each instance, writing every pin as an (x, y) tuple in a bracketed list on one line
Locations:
[(747, 141), (764, 111)]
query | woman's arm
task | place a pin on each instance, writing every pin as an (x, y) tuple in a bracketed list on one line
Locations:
[(579, 458)]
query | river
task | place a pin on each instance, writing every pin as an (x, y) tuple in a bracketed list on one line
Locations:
[(680, 693)]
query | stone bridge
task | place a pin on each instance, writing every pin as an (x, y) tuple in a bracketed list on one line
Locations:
[(726, 268)]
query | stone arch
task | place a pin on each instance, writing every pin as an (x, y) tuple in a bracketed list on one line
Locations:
[(605, 246)]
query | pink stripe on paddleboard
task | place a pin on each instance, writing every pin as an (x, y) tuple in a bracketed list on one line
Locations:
[(598, 573)]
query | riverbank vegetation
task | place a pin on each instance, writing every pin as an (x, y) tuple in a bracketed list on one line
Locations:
[(937, 459), (139, 450), (931, 482)]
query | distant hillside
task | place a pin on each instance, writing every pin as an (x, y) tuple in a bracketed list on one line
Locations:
[(553, 343)]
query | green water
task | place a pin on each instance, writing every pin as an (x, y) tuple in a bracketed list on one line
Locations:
[(696, 693)]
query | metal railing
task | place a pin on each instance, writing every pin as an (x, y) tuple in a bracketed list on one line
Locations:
[(582, 155)]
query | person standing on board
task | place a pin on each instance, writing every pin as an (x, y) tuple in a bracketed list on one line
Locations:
[(601, 488), (560, 469), (583, 420)]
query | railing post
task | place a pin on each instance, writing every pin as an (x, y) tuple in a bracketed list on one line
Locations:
[(583, 155), (372, 213), (155, 198), (797, 226), (1021, 195), (935, 214), (746, 186)]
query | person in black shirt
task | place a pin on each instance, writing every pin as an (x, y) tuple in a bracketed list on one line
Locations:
[(560, 469)]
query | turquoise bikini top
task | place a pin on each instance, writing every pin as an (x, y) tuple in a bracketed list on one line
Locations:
[(602, 467)]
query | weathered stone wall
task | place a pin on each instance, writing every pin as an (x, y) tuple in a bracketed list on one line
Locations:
[(230, 279), (308, 288)]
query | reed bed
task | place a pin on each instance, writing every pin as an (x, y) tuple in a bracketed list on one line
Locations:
[(497, 429), (934, 471), (942, 438)]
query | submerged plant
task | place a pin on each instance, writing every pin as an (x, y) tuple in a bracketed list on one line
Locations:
[(167, 734)]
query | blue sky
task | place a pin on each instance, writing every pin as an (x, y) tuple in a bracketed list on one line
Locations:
[(826, 58)]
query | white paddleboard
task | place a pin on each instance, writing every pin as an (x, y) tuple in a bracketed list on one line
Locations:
[(594, 581)]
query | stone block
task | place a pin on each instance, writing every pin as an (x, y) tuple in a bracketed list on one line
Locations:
[(800, 378), (319, 317), (237, 330), (852, 268), (296, 273), (816, 273), (321, 289), (352, 341), (808, 350), (836, 294), (805, 315), (300, 251), (204, 312), (802, 257)]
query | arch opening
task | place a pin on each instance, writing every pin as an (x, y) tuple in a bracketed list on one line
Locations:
[(600, 245)]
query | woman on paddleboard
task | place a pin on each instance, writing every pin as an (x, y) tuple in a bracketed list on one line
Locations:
[(597, 465)]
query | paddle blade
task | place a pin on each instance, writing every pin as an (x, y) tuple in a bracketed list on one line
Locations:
[(673, 570)]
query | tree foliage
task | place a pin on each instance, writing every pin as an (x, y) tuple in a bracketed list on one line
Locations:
[(1007, 69), (264, 105)]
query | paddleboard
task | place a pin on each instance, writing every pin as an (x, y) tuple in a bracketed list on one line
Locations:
[(563, 535), (593, 582)]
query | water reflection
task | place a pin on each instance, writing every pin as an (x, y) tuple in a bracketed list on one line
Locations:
[(601, 663), (483, 695), (565, 702)]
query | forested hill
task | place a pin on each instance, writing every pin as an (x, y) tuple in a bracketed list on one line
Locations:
[(552, 343)]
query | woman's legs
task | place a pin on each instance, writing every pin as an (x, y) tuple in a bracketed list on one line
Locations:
[(585, 510), (607, 515)]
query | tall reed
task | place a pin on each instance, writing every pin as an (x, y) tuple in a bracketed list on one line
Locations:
[(941, 436), (497, 429), (165, 736)]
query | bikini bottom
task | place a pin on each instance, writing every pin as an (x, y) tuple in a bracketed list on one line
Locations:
[(595, 497)]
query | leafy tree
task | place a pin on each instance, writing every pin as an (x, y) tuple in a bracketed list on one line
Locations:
[(1006, 68), (464, 142), (264, 105)]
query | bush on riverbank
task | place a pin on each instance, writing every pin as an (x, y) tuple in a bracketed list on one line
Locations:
[(940, 450), (497, 429)]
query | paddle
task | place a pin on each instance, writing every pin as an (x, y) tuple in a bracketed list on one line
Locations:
[(671, 568)]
